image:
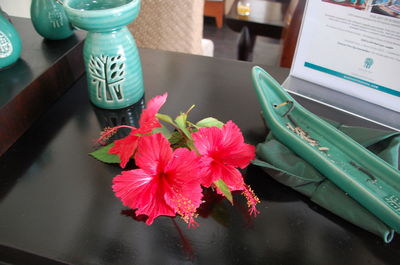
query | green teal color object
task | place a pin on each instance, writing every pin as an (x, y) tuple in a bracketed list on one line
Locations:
[(113, 67), (49, 20), (291, 170), (10, 43), (368, 179)]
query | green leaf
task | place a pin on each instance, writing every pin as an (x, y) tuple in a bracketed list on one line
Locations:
[(165, 118), (163, 130), (177, 140), (210, 122), (221, 185), (103, 155), (181, 120), (191, 146), (181, 123)]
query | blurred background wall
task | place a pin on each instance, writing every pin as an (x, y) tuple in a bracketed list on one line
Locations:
[(18, 8)]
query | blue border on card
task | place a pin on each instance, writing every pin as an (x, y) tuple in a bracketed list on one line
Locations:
[(352, 79)]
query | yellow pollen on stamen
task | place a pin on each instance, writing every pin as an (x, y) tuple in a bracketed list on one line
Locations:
[(252, 200), (106, 134), (186, 209)]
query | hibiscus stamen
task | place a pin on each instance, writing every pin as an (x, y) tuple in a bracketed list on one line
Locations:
[(108, 132), (187, 210), (252, 200)]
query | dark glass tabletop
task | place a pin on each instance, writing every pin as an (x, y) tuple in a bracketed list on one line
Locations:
[(57, 206), (37, 56), (44, 71)]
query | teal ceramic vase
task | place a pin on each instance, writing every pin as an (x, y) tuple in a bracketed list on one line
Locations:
[(112, 61), (49, 20), (10, 43)]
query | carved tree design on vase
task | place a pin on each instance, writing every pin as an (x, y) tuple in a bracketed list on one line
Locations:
[(107, 74), (56, 19), (6, 47)]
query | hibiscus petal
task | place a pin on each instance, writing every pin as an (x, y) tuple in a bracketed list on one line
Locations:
[(229, 174), (240, 157), (143, 192), (183, 173), (231, 134), (154, 153), (225, 145), (207, 140), (125, 148), (233, 150), (147, 120), (208, 177), (184, 166)]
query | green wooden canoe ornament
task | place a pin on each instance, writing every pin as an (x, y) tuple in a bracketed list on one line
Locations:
[(365, 177)]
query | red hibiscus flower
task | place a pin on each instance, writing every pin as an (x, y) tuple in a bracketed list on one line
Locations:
[(167, 182), (125, 148), (222, 151)]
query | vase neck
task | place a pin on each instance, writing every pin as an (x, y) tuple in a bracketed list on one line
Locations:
[(110, 30)]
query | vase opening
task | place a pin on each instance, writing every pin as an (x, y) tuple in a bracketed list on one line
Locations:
[(93, 5), (101, 15)]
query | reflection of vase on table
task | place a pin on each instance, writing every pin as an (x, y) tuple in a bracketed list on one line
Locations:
[(109, 118), (111, 57)]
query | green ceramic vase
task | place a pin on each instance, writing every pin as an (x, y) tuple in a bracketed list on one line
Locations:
[(112, 61), (10, 43), (49, 19)]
